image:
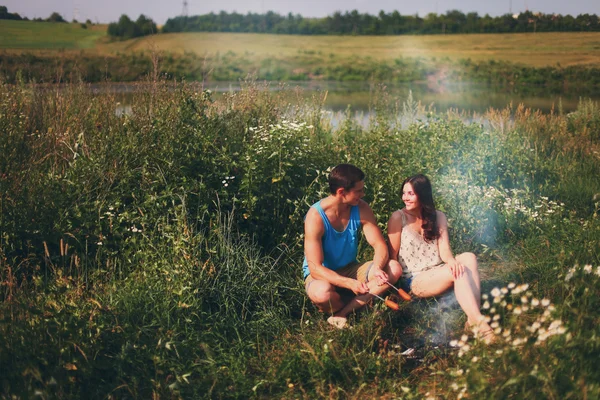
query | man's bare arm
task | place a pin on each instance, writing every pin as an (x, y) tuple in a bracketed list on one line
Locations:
[(373, 235)]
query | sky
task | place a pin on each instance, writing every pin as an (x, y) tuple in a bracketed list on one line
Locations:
[(105, 11)]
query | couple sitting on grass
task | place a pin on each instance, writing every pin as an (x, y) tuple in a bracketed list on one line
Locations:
[(419, 251)]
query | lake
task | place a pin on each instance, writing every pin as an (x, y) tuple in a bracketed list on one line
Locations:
[(340, 97)]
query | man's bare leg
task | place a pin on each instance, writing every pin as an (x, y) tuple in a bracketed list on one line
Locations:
[(324, 295), (392, 270)]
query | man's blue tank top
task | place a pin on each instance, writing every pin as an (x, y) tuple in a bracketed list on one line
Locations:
[(339, 248)]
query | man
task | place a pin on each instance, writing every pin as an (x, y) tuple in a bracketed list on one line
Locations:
[(331, 232)]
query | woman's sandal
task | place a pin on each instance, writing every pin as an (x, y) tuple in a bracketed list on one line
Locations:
[(467, 326), (488, 336)]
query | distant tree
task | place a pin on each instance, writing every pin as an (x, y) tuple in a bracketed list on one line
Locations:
[(55, 17), (4, 14), (146, 25), (127, 29), (88, 22)]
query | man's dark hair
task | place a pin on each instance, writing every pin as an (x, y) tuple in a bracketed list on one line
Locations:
[(344, 176)]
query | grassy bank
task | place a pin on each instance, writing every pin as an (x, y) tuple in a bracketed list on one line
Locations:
[(437, 75), (135, 259)]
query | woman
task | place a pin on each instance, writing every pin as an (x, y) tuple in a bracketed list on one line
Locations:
[(419, 242)]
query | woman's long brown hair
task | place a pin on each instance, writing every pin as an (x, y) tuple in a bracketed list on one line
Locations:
[(422, 188)]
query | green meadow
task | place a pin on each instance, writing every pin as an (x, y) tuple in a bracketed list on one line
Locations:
[(29, 35), (535, 50), (157, 253)]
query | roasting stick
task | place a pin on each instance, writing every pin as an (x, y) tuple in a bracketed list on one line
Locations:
[(388, 303), (405, 296)]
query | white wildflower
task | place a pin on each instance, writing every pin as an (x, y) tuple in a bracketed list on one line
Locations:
[(569, 276), (545, 302)]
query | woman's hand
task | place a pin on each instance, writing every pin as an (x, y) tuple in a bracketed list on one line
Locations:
[(456, 268)]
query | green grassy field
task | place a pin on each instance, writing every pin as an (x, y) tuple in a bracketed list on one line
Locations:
[(28, 35), (546, 49), (537, 50)]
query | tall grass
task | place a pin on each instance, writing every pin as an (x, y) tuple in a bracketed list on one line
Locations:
[(157, 253)]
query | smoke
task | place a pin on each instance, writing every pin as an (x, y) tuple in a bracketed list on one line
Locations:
[(442, 318)]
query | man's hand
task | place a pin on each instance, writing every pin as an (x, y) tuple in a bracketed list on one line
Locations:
[(456, 268), (380, 277), (358, 287)]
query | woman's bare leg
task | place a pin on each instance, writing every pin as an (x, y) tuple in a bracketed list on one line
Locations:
[(436, 281), (469, 260)]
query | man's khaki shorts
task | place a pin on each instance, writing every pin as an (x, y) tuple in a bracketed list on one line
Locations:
[(354, 270)]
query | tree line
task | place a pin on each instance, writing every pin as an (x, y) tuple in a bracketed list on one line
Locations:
[(348, 23), (355, 23), (54, 17)]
